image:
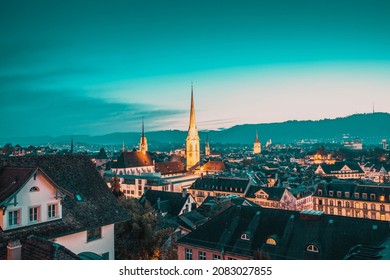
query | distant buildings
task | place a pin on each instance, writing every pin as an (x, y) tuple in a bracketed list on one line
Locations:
[(340, 170)]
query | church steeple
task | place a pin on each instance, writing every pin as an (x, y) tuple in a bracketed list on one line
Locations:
[(71, 146), (143, 143), (207, 146), (257, 145), (192, 141)]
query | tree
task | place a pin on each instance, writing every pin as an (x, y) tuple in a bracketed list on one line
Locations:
[(143, 236), (116, 186)]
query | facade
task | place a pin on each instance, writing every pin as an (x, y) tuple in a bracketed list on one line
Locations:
[(340, 170), (192, 140), (256, 145), (353, 200), (211, 168), (63, 202), (244, 232), (207, 147)]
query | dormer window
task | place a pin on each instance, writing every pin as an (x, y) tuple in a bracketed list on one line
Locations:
[(330, 193), (338, 194), (34, 189), (312, 248), (79, 197), (364, 195), (271, 241), (372, 196), (347, 194), (357, 195), (245, 236), (319, 192)]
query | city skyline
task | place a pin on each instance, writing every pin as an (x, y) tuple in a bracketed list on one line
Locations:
[(97, 68)]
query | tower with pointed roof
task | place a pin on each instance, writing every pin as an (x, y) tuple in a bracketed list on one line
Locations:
[(192, 141), (143, 143), (256, 145), (207, 147)]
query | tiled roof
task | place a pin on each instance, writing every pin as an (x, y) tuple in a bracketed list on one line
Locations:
[(102, 154), (12, 179), (337, 166), (170, 202), (133, 159), (213, 166), (166, 168), (274, 193), (234, 185), (75, 174), (293, 232)]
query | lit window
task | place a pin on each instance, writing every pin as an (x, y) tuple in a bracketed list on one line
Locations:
[(216, 257), (271, 241), (382, 208), (93, 234), (34, 213), (382, 198), (347, 194), (52, 211), (373, 207), (331, 202), (312, 248), (357, 205), (347, 204), (188, 254), (14, 218), (365, 206), (34, 189), (201, 255), (245, 236)]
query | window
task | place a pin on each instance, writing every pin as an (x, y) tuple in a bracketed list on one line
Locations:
[(93, 234), (330, 193), (14, 218), (347, 194), (364, 196), (339, 212), (320, 202), (201, 255), (347, 204), (216, 257), (339, 204), (312, 248), (78, 197), (52, 211), (271, 241), (356, 195), (319, 192), (382, 208), (331, 211), (382, 198), (188, 254), (34, 189), (373, 215), (34, 213), (373, 207), (338, 194), (357, 205), (365, 206), (245, 236), (331, 202), (372, 196)]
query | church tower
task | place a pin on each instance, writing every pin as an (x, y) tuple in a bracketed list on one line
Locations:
[(192, 141), (257, 145), (207, 147), (143, 143)]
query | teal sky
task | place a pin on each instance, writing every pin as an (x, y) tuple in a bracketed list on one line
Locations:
[(95, 67)]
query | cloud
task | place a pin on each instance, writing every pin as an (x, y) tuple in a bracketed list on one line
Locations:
[(58, 112)]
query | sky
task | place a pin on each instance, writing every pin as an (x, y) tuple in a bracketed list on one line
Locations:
[(96, 67)]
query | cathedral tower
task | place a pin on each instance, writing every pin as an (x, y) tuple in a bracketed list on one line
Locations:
[(192, 141), (257, 145), (207, 147), (143, 143)]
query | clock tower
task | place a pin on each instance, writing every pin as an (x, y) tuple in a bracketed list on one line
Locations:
[(192, 141)]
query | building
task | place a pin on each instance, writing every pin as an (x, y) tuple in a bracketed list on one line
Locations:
[(256, 145), (192, 140), (218, 186), (244, 232), (355, 144), (133, 163), (143, 143), (61, 199), (207, 147), (100, 158), (211, 168), (340, 170), (369, 201), (169, 204)]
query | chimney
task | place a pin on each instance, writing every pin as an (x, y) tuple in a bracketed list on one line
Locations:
[(184, 192), (14, 250)]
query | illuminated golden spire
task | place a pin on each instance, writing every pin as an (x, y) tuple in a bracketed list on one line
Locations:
[(192, 110), (143, 143), (257, 137)]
